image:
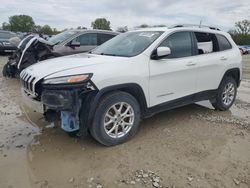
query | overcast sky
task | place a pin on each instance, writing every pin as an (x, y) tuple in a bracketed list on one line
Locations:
[(72, 13)]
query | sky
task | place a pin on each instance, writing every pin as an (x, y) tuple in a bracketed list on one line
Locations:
[(62, 14)]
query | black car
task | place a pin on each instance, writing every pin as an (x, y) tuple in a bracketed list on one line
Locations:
[(5, 45)]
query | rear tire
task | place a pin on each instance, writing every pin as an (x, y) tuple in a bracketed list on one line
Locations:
[(116, 119), (226, 94)]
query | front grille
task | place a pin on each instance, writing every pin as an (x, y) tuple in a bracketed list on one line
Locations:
[(28, 83)]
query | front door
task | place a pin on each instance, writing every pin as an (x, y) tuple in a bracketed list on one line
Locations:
[(174, 76), (88, 41)]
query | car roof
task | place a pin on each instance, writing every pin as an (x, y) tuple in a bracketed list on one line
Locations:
[(171, 29)]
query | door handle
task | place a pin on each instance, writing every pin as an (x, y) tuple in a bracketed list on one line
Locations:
[(189, 64), (223, 58)]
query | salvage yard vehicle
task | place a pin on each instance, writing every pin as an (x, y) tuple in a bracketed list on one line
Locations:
[(5, 44), (29, 51), (243, 49), (133, 76), (34, 49), (78, 41)]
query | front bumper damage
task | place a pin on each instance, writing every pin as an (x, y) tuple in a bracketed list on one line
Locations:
[(37, 106), (68, 103), (71, 103)]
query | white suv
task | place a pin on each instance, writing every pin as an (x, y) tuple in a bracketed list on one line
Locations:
[(133, 76)]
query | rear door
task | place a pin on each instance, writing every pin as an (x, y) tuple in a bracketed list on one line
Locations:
[(173, 77), (211, 62)]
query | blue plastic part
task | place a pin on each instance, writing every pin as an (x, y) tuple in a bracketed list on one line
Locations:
[(70, 121)]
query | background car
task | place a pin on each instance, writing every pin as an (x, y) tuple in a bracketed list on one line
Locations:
[(5, 45), (33, 49), (78, 41), (247, 48), (244, 49)]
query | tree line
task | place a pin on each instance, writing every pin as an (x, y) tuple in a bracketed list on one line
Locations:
[(241, 33), (25, 23)]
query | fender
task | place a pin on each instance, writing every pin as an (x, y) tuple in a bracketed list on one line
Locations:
[(132, 88)]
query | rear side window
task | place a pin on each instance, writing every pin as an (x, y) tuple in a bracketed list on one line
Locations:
[(224, 44), (88, 39), (206, 43), (180, 44), (103, 38)]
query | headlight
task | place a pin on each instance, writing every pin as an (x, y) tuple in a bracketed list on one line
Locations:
[(6, 43), (74, 79)]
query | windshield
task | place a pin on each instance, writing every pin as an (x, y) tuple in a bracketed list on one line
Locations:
[(128, 44), (61, 37), (6, 35)]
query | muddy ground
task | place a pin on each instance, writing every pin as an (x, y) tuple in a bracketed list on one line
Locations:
[(192, 146)]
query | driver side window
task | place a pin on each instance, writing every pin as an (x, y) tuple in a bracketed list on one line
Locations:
[(88, 39), (180, 44)]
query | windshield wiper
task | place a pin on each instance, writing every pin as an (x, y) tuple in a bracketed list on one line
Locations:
[(107, 54)]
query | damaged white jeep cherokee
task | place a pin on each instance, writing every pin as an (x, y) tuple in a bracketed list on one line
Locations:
[(133, 76)]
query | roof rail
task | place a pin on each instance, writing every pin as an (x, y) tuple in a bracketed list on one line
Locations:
[(193, 25)]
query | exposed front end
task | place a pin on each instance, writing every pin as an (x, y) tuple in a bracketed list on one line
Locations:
[(62, 95)]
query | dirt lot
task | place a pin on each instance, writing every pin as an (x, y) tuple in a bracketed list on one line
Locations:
[(193, 146)]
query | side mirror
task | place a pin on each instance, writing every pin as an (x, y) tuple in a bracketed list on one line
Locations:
[(161, 52), (75, 44)]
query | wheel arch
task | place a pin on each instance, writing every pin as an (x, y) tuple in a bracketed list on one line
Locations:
[(132, 88), (235, 73)]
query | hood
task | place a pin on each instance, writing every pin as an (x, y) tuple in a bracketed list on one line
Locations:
[(70, 64)]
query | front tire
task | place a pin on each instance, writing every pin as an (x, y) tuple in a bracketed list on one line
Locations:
[(226, 94), (116, 119)]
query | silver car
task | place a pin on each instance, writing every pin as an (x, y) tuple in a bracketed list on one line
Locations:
[(78, 41)]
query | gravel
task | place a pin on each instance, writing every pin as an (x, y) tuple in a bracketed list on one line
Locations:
[(146, 178), (244, 123), (71, 180)]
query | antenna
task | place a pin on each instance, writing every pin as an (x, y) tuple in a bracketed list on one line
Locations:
[(200, 23)]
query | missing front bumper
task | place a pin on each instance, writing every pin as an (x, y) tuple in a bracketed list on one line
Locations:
[(32, 103), (58, 100)]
